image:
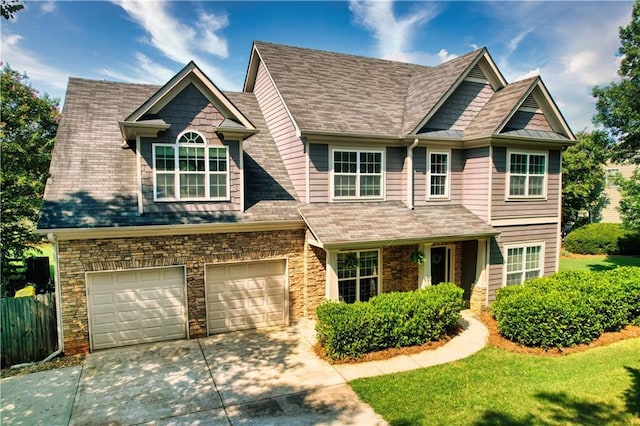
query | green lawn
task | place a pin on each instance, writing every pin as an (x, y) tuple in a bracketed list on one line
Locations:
[(597, 263), (596, 387)]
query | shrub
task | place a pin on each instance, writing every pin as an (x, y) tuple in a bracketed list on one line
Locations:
[(603, 238), (388, 320), (568, 308)]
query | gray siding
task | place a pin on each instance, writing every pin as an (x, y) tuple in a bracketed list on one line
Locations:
[(282, 129), (528, 121), (420, 178), (502, 208), (461, 107), (189, 110), (547, 233), (395, 171), (475, 189), (319, 173)]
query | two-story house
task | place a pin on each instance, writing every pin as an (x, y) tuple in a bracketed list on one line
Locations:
[(181, 211)]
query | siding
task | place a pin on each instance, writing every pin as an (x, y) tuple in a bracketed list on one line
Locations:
[(461, 107), (420, 178), (282, 129), (547, 233), (318, 173), (528, 121), (475, 189), (503, 209), (395, 173), (610, 213), (190, 110)]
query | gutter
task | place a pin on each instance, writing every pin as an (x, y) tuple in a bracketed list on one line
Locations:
[(410, 173)]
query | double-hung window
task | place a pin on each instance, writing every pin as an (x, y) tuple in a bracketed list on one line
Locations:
[(190, 170), (527, 173), (358, 275), (438, 168), (524, 262), (357, 174)]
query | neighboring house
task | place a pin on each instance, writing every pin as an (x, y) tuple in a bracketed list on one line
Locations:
[(181, 211), (610, 213)]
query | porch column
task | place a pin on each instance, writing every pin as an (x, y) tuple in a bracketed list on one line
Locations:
[(331, 285), (479, 289), (424, 270)]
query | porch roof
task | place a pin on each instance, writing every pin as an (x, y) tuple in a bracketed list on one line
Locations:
[(337, 225)]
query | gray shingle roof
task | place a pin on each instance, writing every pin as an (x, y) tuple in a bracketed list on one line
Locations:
[(93, 180), (355, 94), (341, 224)]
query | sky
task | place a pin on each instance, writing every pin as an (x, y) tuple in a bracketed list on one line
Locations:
[(572, 45)]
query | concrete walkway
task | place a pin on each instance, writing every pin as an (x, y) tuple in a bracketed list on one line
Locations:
[(250, 377)]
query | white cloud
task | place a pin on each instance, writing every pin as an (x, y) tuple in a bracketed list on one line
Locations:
[(178, 41), (393, 34), (48, 7), (145, 71), (515, 41), (528, 74), (45, 78)]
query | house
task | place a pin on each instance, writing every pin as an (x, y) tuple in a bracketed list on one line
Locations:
[(181, 211), (610, 213)]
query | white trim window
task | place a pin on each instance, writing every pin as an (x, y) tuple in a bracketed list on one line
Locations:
[(527, 174), (190, 170), (611, 177), (357, 174), (524, 262), (358, 275), (438, 174)]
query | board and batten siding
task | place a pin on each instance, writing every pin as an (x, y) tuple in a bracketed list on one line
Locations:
[(282, 129), (319, 173), (395, 173), (420, 177), (475, 188), (503, 208), (522, 234)]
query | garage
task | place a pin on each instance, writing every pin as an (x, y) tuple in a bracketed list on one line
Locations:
[(246, 295), (136, 306)]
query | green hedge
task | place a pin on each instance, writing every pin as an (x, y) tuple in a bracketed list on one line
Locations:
[(603, 238), (388, 320), (568, 308)]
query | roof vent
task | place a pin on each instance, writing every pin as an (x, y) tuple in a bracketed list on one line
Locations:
[(476, 74), (530, 103)]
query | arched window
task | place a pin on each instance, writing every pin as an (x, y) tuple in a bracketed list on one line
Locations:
[(190, 170)]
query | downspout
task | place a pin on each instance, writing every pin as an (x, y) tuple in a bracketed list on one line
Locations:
[(52, 238), (139, 181), (410, 173)]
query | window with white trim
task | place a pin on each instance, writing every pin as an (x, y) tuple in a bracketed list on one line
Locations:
[(527, 173), (611, 177), (358, 275), (190, 170), (357, 174), (524, 262), (438, 176)]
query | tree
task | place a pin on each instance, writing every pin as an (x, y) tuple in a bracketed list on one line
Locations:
[(27, 131), (583, 178), (630, 203), (9, 7), (618, 104)]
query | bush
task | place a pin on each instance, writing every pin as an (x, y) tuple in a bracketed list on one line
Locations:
[(568, 308), (603, 238), (388, 320)]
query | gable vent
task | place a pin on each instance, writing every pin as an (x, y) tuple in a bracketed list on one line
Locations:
[(476, 74), (530, 103)]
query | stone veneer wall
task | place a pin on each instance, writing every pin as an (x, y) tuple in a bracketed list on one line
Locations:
[(398, 272), (77, 257), (315, 279)]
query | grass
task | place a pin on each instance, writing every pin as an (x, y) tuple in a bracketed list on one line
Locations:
[(596, 262), (493, 386)]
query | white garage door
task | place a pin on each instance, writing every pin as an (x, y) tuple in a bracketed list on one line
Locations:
[(246, 295), (136, 306)]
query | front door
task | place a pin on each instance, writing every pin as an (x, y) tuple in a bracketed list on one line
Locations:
[(440, 265)]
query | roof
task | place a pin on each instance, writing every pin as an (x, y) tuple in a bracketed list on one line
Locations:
[(93, 180), (335, 224)]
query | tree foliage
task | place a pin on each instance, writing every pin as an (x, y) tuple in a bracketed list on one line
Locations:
[(618, 104), (630, 203), (9, 7), (27, 131), (583, 178)]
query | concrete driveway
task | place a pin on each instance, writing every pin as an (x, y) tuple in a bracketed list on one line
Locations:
[(250, 377)]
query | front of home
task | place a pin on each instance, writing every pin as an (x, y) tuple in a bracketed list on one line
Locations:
[(181, 211)]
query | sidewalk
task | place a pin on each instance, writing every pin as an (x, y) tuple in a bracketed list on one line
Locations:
[(473, 338)]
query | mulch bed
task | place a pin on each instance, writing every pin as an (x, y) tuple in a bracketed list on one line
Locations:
[(59, 362)]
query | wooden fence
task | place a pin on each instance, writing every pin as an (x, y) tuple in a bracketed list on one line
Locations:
[(28, 330)]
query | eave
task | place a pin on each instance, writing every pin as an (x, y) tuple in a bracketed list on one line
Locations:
[(132, 129)]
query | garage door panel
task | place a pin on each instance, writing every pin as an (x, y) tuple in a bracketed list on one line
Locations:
[(244, 295), (137, 306)]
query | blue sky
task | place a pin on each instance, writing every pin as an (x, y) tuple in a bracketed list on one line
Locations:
[(572, 45)]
